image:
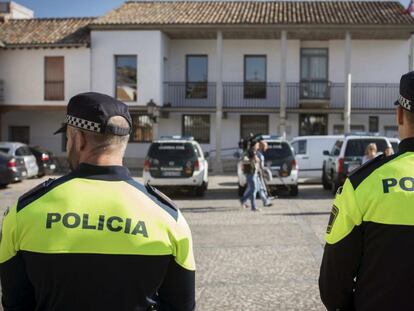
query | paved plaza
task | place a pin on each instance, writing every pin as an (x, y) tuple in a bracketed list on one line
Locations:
[(249, 261)]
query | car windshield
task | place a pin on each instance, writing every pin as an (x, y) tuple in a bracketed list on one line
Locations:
[(5, 150), (171, 151), (278, 150), (357, 147), (23, 151)]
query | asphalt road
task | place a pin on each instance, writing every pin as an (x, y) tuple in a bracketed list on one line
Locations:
[(266, 260)]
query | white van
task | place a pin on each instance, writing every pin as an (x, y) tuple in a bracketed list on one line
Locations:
[(309, 154)]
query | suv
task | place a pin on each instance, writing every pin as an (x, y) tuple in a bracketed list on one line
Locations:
[(281, 167), (345, 156), (175, 161)]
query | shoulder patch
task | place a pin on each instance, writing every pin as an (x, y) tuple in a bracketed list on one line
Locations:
[(161, 196), (40, 190), (157, 197), (33, 194), (358, 175)]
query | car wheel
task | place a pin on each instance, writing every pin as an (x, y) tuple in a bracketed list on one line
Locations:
[(3, 186), (325, 183), (241, 190), (200, 191), (294, 191)]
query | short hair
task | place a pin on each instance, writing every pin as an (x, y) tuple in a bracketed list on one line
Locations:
[(106, 142)]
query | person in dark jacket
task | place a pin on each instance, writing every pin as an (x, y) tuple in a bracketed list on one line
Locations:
[(369, 253)]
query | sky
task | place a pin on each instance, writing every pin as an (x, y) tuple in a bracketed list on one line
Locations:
[(76, 8)]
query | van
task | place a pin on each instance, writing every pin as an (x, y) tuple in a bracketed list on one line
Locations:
[(309, 154)]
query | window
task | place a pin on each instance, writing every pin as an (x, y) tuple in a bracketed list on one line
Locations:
[(314, 74), (196, 76), (141, 128), (255, 76), (299, 146), (253, 125), (373, 124), (313, 124), (126, 78), (54, 78), (19, 134), (336, 149), (197, 126)]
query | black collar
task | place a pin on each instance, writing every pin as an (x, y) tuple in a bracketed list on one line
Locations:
[(406, 145), (110, 172)]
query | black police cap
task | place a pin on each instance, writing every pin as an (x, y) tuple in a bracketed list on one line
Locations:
[(406, 98), (91, 111)]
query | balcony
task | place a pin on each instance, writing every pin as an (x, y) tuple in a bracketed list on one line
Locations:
[(379, 96), (240, 95), (190, 95)]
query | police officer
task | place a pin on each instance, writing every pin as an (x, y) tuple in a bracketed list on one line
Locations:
[(369, 253), (96, 239)]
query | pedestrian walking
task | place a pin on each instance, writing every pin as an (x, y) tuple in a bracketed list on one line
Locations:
[(250, 169), (368, 258), (262, 188), (96, 239)]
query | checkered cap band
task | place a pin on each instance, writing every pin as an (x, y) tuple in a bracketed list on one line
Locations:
[(83, 124)]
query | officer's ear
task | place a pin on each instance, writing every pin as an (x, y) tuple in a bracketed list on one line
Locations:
[(400, 115)]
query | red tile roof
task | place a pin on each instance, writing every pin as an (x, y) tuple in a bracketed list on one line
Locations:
[(258, 13), (45, 31)]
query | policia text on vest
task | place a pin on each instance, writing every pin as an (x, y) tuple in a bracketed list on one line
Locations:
[(112, 223), (369, 252), (96, 240)]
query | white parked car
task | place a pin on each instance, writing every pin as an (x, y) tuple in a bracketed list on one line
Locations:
[(394, 143), (281, 167), (309, 154), (179, 162), (21, 151)]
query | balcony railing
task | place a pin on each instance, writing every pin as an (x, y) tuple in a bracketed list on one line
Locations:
[(365, 95), (314, 89), (240, 95), (189, 95)]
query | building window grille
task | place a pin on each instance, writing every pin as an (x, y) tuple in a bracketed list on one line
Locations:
[(253, 125), (197, 126), (141, 128), (19, 134)]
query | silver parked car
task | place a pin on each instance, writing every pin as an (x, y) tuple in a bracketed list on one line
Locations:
[(21, 151)]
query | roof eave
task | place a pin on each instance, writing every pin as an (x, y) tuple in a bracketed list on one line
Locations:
[(45, 45)]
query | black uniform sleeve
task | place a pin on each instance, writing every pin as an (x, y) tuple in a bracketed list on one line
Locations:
[(17, 291), (342, 254), (178, 290)]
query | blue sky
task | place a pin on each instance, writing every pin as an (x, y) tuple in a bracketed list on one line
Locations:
[(69, 8)]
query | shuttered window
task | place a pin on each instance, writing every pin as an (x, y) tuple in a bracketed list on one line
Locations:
[(253, 125), (54, 78), (197, 126), (141, 129)]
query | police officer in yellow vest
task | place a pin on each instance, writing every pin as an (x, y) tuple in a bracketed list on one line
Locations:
[(96, 239), (368, 263)]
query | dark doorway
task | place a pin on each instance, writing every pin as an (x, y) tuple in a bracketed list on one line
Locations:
[(313, 124)]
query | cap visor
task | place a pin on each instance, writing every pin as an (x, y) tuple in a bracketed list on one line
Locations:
[(61, 130)]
